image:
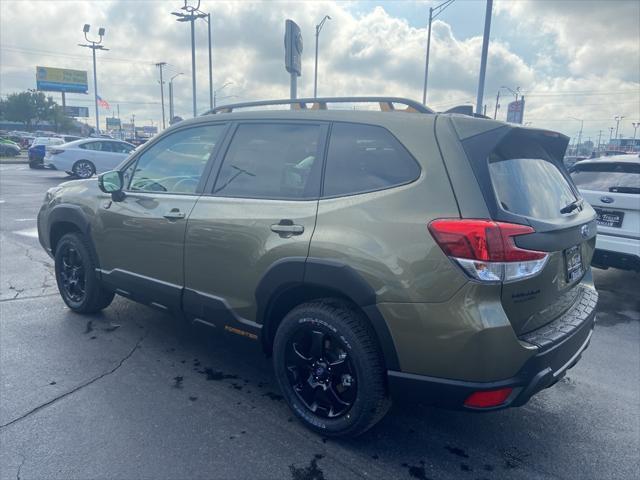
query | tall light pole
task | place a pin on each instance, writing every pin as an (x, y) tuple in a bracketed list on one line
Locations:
[(617, 118), (433, 13), (94, 45), (315, 72), (579, 133), (191, 15), (210, 64), (483, 59), (171, 112), (215, 93), (635, 126), (160, 65)]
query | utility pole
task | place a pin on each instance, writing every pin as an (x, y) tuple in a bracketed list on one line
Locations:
[(160, 65), (599, 137), (433, 13), (579, 133), (94, 45), (485, 51), (610, 134), (315, 71)]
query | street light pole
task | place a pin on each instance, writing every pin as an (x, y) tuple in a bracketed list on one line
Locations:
[(94, 45), (315, 71), (579, 133), (635, 126), (433, 13), (160, 65), (483, 59), (210, 64), (215, 93), (171, 111), (617, 118), (191, 15)]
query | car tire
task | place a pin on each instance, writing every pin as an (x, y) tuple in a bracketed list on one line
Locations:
[(330, 368), (75, 269), (83, 169)]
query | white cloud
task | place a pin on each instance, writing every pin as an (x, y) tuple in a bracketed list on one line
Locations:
[(367, 53)]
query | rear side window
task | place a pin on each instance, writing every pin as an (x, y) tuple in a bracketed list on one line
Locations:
[(620, 177), (278, 161), (365, 158), (527, 182)]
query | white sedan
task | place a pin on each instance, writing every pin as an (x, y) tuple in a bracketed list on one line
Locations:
[(86, 157), (612, 186)]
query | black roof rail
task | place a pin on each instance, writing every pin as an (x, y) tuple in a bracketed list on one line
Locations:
[(386, 104)]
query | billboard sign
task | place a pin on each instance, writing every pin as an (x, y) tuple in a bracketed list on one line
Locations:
[(76, 111), (293, 48), (113, 123), (515, 111), (50, 79)]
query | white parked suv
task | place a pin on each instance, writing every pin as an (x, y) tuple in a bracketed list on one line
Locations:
[(612, 186), (86, 157)]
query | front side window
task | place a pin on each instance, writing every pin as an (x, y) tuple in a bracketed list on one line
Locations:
[(166, 167), (280, 161), (365, 158), (92, 146)]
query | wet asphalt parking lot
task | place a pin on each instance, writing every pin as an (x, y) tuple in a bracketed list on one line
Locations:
[(81, 399)]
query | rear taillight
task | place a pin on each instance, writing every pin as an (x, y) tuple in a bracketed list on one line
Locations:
[(55, 151), (486, 249)]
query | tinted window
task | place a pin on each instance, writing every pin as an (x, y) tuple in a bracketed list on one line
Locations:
[(363, 158), (119, 147), (165, 168), (272, 161), (92, 146), (619, 177), (533, 187)]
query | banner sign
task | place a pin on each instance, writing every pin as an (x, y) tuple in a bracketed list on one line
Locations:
[(293, 48), (515, 111), (113, 123), (61, 80), (76, 111)]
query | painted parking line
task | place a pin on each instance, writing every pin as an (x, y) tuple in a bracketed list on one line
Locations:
[(29, 232)]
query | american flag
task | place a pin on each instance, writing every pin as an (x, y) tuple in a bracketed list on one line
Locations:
[(103, 103)]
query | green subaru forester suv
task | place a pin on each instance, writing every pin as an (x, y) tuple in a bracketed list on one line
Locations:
[(439, 256)]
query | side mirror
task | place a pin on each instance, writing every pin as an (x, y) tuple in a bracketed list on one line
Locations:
[(112, 182)]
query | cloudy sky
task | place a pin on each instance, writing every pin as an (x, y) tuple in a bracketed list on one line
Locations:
[(570, 58)]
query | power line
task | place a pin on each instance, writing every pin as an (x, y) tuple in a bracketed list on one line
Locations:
[(34, 51)]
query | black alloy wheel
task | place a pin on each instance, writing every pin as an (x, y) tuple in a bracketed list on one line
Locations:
[(320, 372), (72, 274)]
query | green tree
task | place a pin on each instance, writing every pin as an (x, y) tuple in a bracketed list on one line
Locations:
[(29, 108)]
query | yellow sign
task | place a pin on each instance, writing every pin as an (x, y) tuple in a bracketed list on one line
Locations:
[(61, 80)]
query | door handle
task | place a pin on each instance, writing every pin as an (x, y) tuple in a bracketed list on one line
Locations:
[(174, 214), (287, 227)]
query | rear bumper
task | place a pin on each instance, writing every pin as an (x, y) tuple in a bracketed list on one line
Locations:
[(572, 336), (617, 252)]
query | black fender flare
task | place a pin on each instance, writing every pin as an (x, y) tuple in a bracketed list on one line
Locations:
[(73, 214), (330, 274)]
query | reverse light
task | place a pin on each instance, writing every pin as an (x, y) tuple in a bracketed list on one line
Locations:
[(486, 250), (488, 398)]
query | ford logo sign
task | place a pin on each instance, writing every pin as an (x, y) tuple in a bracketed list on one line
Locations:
[(584, 230), (606, 199)]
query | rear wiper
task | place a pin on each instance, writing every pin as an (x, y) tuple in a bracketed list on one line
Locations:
[(571, 207)]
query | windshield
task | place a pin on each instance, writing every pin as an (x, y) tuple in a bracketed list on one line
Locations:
[(620, 177)]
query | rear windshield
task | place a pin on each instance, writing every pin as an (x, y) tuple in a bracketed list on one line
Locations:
[(527, 182), (620, 177)]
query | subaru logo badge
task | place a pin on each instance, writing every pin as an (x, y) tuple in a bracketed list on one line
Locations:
[(584, 231), (606, 199)]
